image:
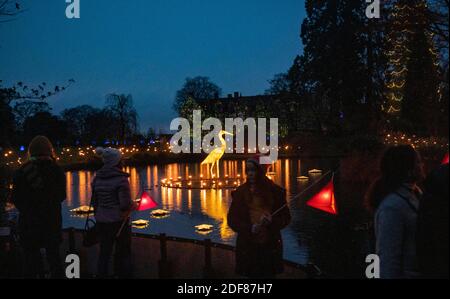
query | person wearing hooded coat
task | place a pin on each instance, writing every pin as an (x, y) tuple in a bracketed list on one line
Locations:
[(259, 246), (433, 226), (39, 188), (112, 203)]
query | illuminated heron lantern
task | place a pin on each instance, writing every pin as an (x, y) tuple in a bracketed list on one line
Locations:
[(217, 153)]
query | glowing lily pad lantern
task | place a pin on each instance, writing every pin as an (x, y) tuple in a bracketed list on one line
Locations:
[(204, 228), (83, 210), (315, 172), (159, 214), (325, 199), (140, 224), (303, 178)]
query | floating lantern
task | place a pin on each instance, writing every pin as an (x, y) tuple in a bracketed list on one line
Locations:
[(204, 228), (83, 210), (159, 214), (315, 171), (271, 173), (325, 199), (446, 159), (146, 202), (303, 178), (140, 224)]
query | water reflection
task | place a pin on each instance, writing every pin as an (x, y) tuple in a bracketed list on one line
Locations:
[(190, 208)]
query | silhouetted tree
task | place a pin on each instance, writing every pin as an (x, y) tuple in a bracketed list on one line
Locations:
[(100, 126), (76, 119), (437, 14), (9, 9), (25, 109), (332, 66), (122, 109), (17, 93), (420, 106), (44, 123), (7, 124), (151, 134), (194, 89), (279, 85)]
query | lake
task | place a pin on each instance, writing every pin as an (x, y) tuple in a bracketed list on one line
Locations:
[(189, 208)]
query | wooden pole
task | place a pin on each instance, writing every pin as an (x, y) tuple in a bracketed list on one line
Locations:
[(208, 259), (164, 267)]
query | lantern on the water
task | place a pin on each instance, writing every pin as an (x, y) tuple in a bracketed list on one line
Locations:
[(160, 214), (325, 199), (83, 210), (303, 178), (204, 229), (146, 202), (140, 224), (446, 159), (315, 172)]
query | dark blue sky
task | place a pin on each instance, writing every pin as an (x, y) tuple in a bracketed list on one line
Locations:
[(148, 47)]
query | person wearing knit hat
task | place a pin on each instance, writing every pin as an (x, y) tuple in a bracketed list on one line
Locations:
[(39, 187), (111, 199), (40, 148), (259, 251), (111, 157)]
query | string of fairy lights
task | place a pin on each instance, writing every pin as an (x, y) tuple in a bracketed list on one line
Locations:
[(417, 142), (399, 39), (15, 157)]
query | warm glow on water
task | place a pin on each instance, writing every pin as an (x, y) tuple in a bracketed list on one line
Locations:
[(190, 208)]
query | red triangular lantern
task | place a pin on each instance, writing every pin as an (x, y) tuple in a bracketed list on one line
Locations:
[(146, 202), (325, 199), (446, 159)]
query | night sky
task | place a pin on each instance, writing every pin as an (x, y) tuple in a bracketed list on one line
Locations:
[(148, 47)]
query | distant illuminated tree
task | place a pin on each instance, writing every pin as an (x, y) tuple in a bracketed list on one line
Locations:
[(399, 35), (194, 90), (412, 83)]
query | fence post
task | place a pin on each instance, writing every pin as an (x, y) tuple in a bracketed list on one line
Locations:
[(164, 267), (208, 270)]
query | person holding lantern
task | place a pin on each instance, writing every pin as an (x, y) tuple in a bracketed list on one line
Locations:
[(39, 188), (256, 217), (112, 204)]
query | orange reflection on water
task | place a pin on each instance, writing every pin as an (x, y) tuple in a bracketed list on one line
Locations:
[(69, 186), (287, 173), (82, 186), (213, 205)]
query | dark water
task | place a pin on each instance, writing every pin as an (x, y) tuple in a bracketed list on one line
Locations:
[(189, 208)]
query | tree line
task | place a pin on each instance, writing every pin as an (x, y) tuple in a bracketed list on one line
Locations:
[(351, 66), (25, 113), (355, 74)]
